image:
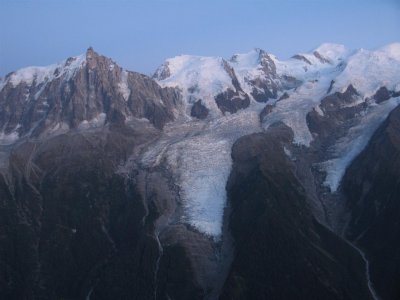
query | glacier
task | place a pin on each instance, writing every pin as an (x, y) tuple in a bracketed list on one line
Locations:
[(202, 162)]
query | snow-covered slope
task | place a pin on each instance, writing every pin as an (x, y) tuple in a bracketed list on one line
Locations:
[(327, 70), (40, 75), (199, 78), (368, 70)]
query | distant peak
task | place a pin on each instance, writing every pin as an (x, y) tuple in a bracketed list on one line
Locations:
[(90, 52), (330, 46), (331, 51), (91, 57), (260, 51), (393, 50), (253, 58)]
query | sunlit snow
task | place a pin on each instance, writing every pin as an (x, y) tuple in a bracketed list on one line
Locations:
[(123, 85), (200, 157), (39, 75), (199, 78), (8, 139)]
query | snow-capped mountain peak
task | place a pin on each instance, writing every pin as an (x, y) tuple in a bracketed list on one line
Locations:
[(200, 78), (38, 75), (248, 60), (209, 103), (332, 52)]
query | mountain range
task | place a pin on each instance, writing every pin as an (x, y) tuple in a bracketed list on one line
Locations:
[(242, 178)]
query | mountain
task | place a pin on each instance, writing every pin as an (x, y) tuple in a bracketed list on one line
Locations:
[(81, 92), (241, 178)]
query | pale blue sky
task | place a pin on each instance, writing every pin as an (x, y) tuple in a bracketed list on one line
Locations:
[(141, 34)]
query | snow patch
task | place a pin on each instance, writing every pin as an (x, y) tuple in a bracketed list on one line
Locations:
[(123, 85), (287, 152), (97, 121), (319, 110), (8, 139), (59, 128)]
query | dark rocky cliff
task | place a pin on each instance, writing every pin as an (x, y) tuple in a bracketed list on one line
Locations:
[(281, 251), (372, 190)]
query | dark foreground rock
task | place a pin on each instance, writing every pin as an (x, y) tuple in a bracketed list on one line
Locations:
[(281, 252), (372, 189), (75, 223)]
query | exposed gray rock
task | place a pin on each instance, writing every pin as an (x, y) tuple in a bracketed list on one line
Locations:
[(265, 88), (321, 58), (199, 110), (384, 94), (302, 57), (97, 86), (232, 100)]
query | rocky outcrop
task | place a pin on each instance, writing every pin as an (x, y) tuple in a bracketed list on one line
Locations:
[(265, 88), (384, 94), (322, 59), (199, 110), (338, 113), (303, 58), (232, 100)]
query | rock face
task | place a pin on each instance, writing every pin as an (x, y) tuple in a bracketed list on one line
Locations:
[(85, 91), (199, 110), (266, 87), (69, 223), (247, 178), (286, 242), (234, 99), (372, 189)]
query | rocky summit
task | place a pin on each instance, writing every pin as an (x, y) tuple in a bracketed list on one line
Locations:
[(246, 177)]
